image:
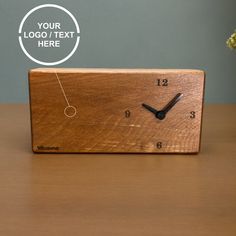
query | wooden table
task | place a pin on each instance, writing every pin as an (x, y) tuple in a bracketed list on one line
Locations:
[(118, 194)]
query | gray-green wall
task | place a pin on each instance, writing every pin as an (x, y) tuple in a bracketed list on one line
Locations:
[(132, 34)]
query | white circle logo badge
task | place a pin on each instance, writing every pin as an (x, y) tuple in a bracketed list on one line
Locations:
[(77, 37)]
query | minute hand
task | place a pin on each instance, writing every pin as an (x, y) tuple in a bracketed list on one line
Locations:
[(172, 103)]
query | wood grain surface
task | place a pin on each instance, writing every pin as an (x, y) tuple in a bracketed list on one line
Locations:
[(85, 110), (114, 194)]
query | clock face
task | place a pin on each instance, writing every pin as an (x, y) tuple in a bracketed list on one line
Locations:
[(120, 111)]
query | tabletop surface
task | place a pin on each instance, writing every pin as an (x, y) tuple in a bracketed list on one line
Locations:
[(78, 194)]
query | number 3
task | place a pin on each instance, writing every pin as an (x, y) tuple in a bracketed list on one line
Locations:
[(192, 114)]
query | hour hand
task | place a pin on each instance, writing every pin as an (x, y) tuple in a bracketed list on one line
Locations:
[(149, 108), (158, 114)]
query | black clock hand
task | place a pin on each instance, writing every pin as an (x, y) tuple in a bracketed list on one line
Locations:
[(158, 114), (151, 109), (172, 103)]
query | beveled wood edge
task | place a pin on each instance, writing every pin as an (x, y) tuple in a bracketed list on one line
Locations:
[(30, 108), (203, 105), (114, 70)]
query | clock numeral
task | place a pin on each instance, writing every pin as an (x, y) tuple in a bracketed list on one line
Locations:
[(127, 113), (162, 82), (159, 145), (192, 114)]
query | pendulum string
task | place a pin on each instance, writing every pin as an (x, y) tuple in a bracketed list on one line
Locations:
[(62, 89), (66, 99)]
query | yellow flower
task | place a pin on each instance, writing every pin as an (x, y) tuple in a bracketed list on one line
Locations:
[(231, 42)]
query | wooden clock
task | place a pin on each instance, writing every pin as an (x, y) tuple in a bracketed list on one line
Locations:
[(116, 110)]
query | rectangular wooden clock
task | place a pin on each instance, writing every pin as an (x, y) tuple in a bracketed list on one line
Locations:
[(116, 110)]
